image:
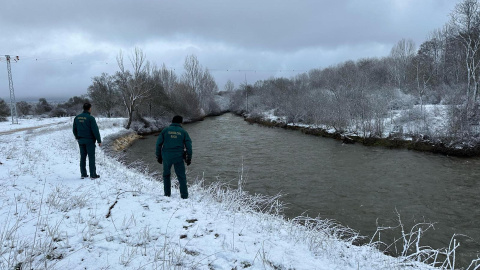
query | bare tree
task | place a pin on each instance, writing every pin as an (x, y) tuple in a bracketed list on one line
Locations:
[(168, 79), (103, 94), (133, 86), (158, 100), (229, 86), (193, 73), (465, 21), (200, 81), (185, 101), (402, 54)]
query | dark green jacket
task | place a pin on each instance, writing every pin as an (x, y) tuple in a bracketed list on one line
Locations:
[(85, 128), (172, 141)]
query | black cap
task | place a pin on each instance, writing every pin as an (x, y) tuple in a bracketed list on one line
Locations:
[(177, 119)]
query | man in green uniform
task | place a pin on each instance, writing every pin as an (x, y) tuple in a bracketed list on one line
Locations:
[(86, 133), (170, 151)]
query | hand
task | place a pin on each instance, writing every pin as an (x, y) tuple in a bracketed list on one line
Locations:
[(159, 160), (188, 161), (100, 144)]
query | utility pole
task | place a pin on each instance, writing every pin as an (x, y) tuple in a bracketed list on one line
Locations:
[(13, 103)]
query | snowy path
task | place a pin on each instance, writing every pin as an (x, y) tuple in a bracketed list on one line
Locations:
[(28, 128), (51, 219)]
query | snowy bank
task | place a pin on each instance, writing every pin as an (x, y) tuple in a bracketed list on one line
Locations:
[(398, 133), (52, 219)]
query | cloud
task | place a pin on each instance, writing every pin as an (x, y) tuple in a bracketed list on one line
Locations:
[(63, 44)]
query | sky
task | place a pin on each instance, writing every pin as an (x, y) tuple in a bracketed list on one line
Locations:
[(63, 44)]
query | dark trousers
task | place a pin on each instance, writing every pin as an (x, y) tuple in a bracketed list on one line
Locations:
[(179, 167), (87, 149)]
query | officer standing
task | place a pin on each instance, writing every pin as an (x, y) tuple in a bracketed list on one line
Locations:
[(86, 132), (170, 151)]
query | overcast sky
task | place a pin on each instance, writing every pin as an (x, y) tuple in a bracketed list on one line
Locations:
[(63, 44)]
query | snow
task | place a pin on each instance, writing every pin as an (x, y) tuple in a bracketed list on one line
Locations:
[(426, 120), (52, 219), (31, 122), (435, 120)]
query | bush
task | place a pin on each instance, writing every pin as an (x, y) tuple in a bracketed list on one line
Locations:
[(59, 112), (43, 107), (4, 110), (23, 108)]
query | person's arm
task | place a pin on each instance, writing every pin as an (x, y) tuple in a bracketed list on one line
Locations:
[(188, 145), (158, 150), (74, 129), (96, 132)]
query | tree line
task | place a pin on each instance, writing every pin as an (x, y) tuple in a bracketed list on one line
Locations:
[(360, 95), (149, 91), (142, 90), (43, 108)]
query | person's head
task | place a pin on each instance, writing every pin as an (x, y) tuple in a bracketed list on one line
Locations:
[(177, 119), (87, 107)]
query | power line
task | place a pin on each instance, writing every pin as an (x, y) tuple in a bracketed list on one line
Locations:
[(109, 61)]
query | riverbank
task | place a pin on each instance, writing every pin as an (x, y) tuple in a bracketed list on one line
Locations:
[(147, 126), (52, 219), (417, 143)]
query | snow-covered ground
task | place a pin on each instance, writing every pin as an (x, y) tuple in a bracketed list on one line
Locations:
[(431, 119), (33, 122), (426, 120), (52, 219)]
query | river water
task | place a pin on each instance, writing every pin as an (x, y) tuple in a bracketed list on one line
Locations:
[(357, 186)]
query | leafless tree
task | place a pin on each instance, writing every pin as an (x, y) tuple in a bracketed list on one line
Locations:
[(465, 22), (402, 54), (185, 101), (168, 79), (200, 81), (229, 86), (134, 86), (103, 94)]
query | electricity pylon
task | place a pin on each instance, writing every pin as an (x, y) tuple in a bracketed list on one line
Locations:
[(13, 103)]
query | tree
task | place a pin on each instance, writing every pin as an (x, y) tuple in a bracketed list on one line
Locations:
[(402, 54), (133, 87), (158, 100), (168, 79), (43, 106), (24, 108), (185, 101), (4, 110), (465, 21), (229, 86), (103, 94), (74, 105), (200, 81)]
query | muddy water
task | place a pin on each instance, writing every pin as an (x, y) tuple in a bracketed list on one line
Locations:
[(355, 185)]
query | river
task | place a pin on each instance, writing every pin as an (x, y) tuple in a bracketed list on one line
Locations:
[(357, 186)]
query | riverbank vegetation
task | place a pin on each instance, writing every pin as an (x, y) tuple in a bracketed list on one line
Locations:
[(429, 93)]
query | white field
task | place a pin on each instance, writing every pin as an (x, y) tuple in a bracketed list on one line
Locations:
[(52, 219)]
